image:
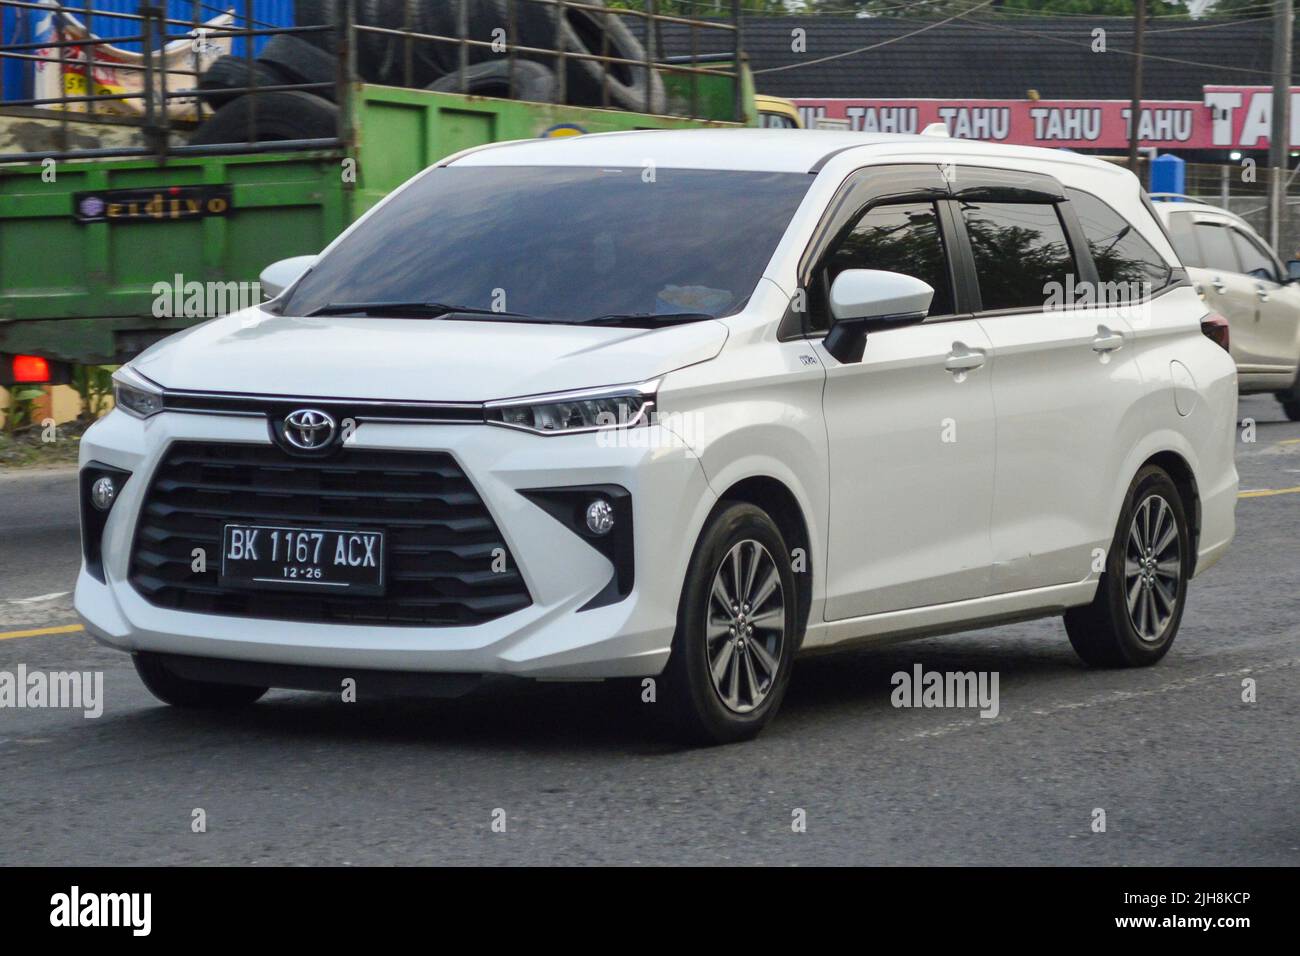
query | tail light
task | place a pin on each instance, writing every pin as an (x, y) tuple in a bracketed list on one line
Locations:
[(1215, 328), (32, 370)]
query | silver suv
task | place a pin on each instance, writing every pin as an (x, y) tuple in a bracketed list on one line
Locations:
[(1241, 278)]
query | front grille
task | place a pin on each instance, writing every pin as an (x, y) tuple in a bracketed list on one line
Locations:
[(440, 541)]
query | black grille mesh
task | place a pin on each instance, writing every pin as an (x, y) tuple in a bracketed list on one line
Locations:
[(439, 539)]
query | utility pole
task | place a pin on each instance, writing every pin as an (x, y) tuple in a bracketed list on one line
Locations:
[(1135, 107), (1279, 143)]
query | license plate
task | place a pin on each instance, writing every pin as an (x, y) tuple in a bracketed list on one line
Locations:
[(316, 559)]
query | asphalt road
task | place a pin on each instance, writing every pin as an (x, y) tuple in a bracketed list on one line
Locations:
[(1186, 772)]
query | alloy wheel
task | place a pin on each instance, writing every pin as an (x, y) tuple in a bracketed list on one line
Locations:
[(1153, 564), (745, 626)]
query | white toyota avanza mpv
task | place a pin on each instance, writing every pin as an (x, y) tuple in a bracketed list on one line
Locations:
[(672, 405)]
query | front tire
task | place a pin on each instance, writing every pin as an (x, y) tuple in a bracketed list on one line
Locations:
[(1290, 399), (181, 692), (736, 629), (1134, 617)]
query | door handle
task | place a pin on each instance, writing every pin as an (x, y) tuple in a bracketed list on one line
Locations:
[(1107, 340), (1262, 293), (963, 359), (1219, 287)]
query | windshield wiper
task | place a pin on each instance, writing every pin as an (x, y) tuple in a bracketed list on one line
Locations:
[(645, 320), (426, 310)]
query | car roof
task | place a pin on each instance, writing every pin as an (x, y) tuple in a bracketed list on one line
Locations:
[(1189, 205), (758, 150)]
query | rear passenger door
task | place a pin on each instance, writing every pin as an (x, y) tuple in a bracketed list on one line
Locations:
[(1063, 370)]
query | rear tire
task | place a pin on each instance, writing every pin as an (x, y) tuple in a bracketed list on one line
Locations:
[(730, 665), (1290, 399), (1134, 617), (180, 692)]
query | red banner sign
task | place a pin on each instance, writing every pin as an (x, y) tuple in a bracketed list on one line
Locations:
[(1229, 117)]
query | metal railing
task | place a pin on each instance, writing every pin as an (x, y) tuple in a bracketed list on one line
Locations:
[(154, 112), (152, 107)]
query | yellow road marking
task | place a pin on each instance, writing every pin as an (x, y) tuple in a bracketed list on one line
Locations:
[(1269, 491), (1290, 441), (41, 631)]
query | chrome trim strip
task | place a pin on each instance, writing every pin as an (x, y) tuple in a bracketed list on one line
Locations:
[(215, 411), (644, 389), (310, 399)]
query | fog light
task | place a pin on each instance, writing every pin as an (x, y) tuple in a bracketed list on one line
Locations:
[(600, 517), (102, 493)]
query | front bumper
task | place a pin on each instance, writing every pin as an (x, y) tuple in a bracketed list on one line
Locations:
[(551, 638)]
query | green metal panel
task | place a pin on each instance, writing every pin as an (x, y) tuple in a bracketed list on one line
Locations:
[(401, 131), (53, 267)]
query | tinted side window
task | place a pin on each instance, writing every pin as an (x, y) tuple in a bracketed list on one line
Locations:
[(1118, 249), (1216, 248), (1254, 261), (1020, 249), (1183, 236), (900, 238)]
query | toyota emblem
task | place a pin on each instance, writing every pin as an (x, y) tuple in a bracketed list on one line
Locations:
[(309, 429)]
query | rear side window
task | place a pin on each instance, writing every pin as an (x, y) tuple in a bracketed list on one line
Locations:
[(898, 238), (1119, 251), (1255, 262), (1182, 234), (1020, 252), (1216, 247)]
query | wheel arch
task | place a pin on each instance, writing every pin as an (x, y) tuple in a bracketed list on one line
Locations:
[(1176, 466), (775, 498)]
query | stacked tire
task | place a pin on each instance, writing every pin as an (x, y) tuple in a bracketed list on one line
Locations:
[(286, 60), (395, 60)]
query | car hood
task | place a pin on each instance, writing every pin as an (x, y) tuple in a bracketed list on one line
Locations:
[(255, 352)]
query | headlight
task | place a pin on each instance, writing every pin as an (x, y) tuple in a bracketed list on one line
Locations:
[(135, 394), (568, 413)]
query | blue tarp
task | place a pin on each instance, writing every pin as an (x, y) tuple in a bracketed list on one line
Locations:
[(18, 26)]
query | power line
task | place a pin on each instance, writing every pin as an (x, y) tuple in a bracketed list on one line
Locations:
[(989, 26), (1209, 26), (1007, 12), (874, 46), (1148, 56)]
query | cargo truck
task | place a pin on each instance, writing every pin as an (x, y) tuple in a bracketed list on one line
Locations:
[(219, 145)]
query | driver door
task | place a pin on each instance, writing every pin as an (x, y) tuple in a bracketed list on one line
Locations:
[(910, 426)]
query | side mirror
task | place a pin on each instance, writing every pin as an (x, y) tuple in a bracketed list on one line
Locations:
[(1293, 270), (865, 300), (278, 276)]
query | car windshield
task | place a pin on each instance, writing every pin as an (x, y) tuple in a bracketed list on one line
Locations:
[(560, 244)]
